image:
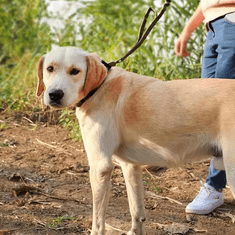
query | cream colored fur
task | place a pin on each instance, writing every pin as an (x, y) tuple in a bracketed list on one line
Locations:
[(140, 120)]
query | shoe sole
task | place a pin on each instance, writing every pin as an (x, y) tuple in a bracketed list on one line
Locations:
[(201, 212)]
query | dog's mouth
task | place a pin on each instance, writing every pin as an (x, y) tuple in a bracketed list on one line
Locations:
[(57, 105)]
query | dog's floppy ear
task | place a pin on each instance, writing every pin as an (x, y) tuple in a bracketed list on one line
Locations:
[(96, 72), (40, 87)]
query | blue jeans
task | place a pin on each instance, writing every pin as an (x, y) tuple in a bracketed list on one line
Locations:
[(219, 62)]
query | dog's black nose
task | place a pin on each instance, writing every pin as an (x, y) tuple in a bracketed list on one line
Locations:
[(56, 95)]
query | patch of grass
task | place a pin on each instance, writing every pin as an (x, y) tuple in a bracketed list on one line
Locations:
[(4, 144), (18, 88), (145, 182), (146, 179), (157, 188), (116, 175), (34, 128), (4, 126), (57, 220), (23, 40), (68, 120)]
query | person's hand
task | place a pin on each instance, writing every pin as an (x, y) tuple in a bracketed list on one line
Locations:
[(181, 44)]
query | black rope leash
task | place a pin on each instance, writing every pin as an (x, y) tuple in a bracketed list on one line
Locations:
[(142, 35)]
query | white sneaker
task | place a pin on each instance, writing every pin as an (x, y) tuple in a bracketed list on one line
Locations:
[(206, 201)]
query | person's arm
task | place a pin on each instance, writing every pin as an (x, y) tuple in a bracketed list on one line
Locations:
[(196, 19)]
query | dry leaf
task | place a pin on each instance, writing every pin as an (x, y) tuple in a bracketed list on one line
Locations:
[(110, 228), (175, 228), (153, 195)]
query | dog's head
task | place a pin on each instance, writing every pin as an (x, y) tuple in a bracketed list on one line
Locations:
[(68, 74)]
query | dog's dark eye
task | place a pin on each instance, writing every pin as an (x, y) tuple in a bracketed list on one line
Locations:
[(74, 72), (50, 69)]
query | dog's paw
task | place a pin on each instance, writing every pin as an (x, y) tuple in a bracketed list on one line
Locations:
[(142, 232), (131, 233)]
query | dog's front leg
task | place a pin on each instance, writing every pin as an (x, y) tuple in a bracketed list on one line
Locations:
[(100, 174), (135, 191), (100, 139)]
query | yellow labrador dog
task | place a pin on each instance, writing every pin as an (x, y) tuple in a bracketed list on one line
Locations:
[(139, 120)]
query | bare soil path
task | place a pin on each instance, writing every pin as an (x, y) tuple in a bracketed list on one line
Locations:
[(45, 189)]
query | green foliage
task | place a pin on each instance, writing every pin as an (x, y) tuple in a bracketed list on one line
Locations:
[(54, 222), (172, 66), (4, 126), (21, 28), (4, 144), (23, 39), (68, 120), (18, 88), (114, 27)]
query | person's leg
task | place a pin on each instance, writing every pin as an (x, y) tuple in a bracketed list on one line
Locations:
[(219, 50), (223, 44), (209, 198), (219, 59), (216, 178), (209, 60), (224, 37)]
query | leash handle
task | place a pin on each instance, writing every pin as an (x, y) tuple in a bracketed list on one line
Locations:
[(144, 23), (142, 36)]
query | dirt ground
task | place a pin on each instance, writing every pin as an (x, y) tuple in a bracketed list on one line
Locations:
[(45, 189)]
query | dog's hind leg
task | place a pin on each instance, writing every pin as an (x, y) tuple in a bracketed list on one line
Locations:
[(229, 163), (229, 160), (133, 177)]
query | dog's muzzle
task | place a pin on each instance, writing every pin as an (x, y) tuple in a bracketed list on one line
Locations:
[(55, 97)]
